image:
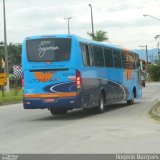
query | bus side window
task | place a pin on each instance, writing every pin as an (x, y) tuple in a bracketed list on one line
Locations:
[(98, 56), (108, 57), (128, 60), (91, 59), (136, 60), (85, 56), (117, 59)]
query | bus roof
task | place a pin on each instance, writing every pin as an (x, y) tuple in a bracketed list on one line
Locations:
[(80, 39), (105, 44)]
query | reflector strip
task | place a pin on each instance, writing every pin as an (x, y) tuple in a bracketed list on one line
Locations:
[(53, 95)]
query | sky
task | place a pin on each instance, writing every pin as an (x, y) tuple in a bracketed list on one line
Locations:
[(123, 20)]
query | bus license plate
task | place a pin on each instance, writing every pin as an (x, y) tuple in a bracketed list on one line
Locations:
[(49, 100)]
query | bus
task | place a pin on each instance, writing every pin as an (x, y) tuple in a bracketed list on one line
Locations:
[(64, 72)]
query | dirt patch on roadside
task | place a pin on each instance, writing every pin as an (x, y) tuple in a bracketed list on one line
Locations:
[(155, 112)]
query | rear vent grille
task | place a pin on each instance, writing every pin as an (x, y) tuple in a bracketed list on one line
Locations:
[(86, 98)]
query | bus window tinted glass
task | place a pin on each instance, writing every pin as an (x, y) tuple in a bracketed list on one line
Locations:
[(117, 59), (84, 55), (98, 56), (136, 60), (91, 59), (108, 57), (87, 55), (128, 60), (48, 49)]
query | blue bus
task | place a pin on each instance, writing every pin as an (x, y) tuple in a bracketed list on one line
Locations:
[(65, 72)]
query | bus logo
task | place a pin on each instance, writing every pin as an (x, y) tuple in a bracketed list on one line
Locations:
[(46, 46), (43, 76)]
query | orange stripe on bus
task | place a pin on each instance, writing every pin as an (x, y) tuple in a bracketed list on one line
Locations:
[(53, 95)]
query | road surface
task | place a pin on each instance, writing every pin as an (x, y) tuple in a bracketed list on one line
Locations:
[(121, 129)]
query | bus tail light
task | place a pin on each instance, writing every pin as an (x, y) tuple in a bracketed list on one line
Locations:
[(78, 79), (22, 80)]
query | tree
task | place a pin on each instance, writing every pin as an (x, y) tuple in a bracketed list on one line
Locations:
[(14, 54), (99, 36), (154, 70)]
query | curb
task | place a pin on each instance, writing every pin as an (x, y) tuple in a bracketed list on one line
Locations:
[(155, 112), (9, 103)]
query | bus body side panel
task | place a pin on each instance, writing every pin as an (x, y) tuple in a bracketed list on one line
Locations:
[(130, 81), (118, 84), (92, 87), (96, 79), (115, 76)]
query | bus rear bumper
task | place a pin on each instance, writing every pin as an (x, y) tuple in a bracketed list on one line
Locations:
[(47, 103)]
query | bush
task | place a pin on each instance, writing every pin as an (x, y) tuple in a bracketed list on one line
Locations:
[(154, 72), (11, 97)]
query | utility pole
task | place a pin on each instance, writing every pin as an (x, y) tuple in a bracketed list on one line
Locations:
[(157, 37), (6, 51), (92, 21), (147, 57)]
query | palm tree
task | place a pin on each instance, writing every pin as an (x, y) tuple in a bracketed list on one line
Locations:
[(99, 36)]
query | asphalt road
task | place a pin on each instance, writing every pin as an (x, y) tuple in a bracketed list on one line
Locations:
[(121, 129)]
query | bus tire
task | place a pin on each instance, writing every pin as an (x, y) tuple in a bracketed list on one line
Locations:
[(143, 83), (101, 107), (131, 101), (58, 111)]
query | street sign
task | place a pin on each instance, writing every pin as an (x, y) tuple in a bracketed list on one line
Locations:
[(3, 79), (2, 65)]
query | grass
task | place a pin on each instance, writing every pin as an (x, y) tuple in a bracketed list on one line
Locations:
[(155, 112), (11, 97)]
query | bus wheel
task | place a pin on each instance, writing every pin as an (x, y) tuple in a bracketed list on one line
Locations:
[(131, 101), (100, 108), (58, 111)]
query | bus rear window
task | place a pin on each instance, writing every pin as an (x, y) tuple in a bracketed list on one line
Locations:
[(48, 49)]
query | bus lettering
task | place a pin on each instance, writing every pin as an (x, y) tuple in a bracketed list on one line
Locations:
[(42, 49)]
